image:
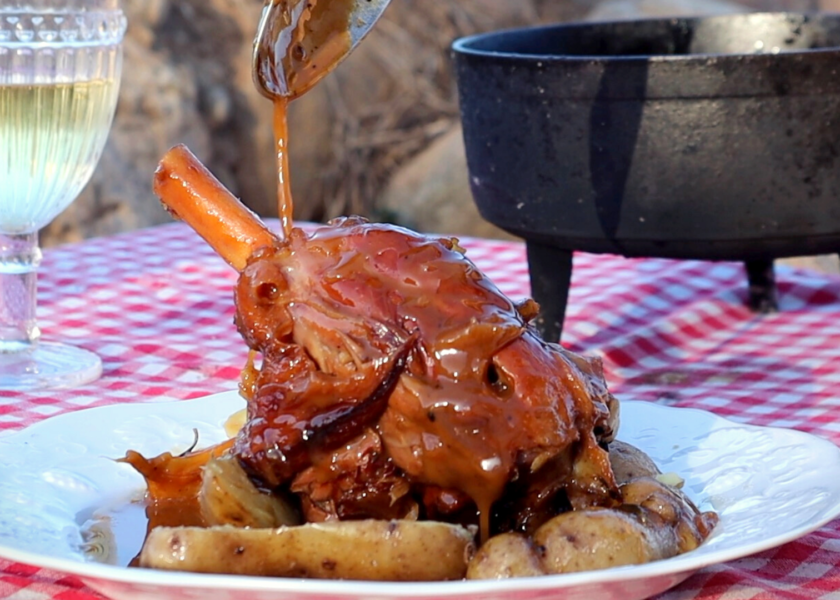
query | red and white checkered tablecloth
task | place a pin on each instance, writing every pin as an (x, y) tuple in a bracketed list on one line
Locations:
[(156, 305)]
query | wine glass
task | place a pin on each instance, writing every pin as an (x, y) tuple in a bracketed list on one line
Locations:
[(60, 66)]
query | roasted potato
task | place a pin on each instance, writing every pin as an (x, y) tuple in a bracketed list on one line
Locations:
[(228, 497), (628, 462), (672, 509), (503, 556), (655, 521), (575, 541), (599, 539), (363, 550)]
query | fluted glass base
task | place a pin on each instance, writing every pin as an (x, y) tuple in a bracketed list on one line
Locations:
[(48, 365)]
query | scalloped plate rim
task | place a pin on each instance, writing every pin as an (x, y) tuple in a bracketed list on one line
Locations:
[(678, 568)]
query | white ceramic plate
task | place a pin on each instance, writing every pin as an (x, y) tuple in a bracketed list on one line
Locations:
[(769, 486)]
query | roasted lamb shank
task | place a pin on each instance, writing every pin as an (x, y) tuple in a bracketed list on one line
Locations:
[(396, 381), (395, 393)]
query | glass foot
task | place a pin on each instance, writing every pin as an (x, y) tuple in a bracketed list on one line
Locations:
[(48, 365)]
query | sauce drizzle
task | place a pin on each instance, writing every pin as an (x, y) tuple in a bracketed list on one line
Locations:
[(308, 38), (285, 205)]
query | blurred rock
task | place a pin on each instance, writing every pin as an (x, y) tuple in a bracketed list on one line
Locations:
[(432, 193)]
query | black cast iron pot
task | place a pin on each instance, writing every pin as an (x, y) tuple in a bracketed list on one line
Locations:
[(706, 138)]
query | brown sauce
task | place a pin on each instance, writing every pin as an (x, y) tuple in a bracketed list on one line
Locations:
[(173, 483), (311, 36), (285, 206)]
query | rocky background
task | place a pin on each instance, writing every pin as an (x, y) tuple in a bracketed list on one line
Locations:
[(379, 136)]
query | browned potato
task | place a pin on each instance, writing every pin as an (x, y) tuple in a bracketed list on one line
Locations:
[(655, 521), (596, 539), (503, 556), (673, 509), (365, 550), (228, 497), (628, 462)]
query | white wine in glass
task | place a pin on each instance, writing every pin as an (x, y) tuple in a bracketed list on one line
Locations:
[(60, 66)]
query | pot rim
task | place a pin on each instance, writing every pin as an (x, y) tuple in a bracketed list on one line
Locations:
[(466, 45)]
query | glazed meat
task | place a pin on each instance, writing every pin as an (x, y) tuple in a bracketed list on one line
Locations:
[(397, 381), (394, 380), (391, 382), (390, 387)]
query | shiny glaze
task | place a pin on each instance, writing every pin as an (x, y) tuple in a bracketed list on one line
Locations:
[(372, 328)]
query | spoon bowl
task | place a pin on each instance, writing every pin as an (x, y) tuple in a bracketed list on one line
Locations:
[(298, 42)]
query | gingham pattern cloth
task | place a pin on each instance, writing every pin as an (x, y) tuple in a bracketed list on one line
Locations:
[(156, 305)]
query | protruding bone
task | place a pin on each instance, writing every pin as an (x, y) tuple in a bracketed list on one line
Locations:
[(190, 192)]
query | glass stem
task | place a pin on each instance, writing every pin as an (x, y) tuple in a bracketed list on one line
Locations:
[(19, 260)]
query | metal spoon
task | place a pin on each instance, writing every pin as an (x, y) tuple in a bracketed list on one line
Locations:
[(300, 41)]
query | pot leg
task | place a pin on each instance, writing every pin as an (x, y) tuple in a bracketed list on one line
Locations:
[(762, 286), (551, 275)]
